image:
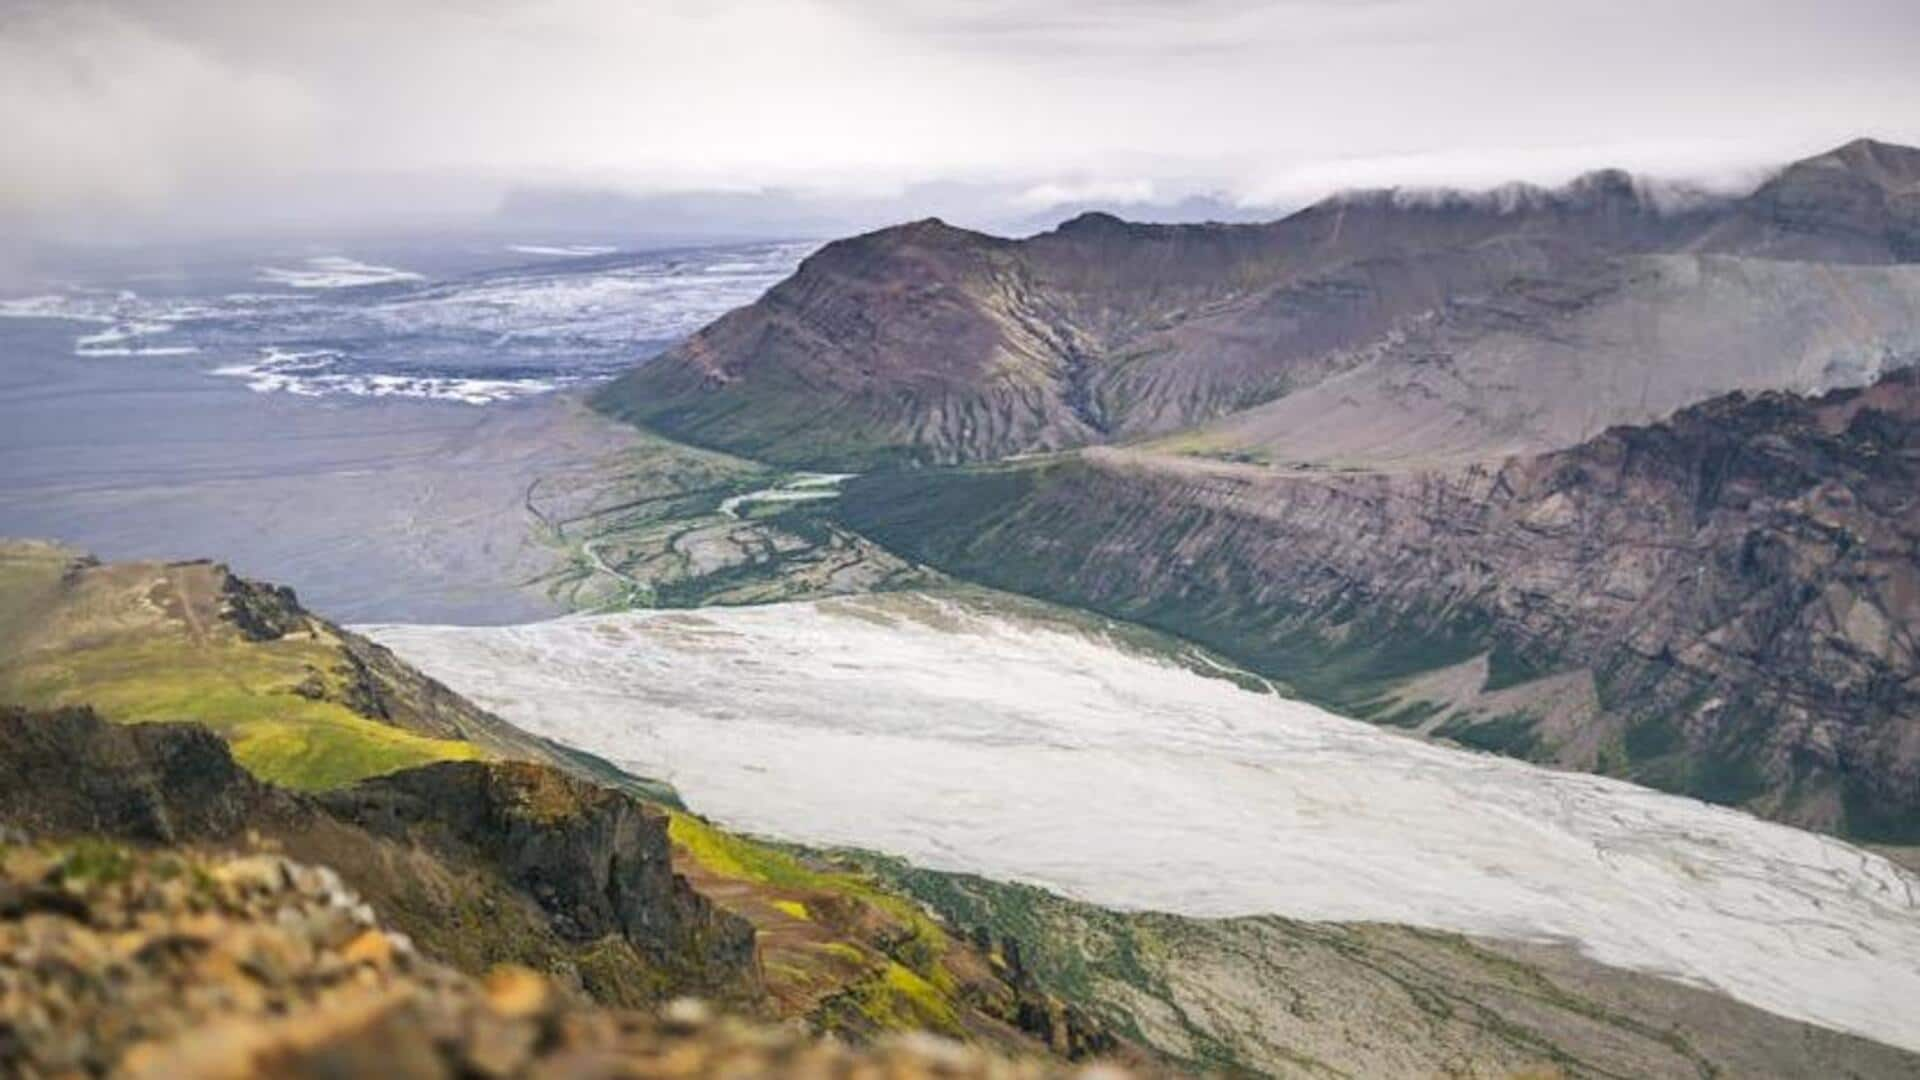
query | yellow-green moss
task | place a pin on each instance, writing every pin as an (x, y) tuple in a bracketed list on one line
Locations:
[(734, 856), (242, 690), (906, 983)]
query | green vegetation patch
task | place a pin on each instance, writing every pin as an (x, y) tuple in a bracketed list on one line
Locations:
[(1510, 733), (277, 702)]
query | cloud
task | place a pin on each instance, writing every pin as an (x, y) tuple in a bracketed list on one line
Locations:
[(1058, 193), (235, 110), (101, 111)]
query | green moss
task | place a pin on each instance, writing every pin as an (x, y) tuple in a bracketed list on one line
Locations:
[(926, 1003), (242, 690), (611, 971), (919, 944), (97, 861)]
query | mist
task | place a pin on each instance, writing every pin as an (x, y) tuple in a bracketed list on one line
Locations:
[(182, 117)]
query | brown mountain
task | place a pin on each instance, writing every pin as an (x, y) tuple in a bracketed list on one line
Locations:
[(929, 344)]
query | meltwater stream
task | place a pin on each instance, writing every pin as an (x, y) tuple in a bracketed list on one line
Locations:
[(985, 738)]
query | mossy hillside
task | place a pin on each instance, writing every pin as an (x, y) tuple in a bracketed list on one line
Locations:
[(30, 577), (1325, 999), (249, 693), (149, 642), (995, 525), (837, 945), (773, 418)]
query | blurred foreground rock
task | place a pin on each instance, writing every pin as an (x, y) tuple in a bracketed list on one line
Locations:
[(117, 962)]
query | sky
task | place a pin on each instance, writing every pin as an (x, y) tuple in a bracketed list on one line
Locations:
[(236, 113)]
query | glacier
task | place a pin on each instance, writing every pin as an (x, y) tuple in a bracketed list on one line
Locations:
[(997, 737)]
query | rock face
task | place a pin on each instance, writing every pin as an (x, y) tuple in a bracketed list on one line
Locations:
[(482, 864), (479, 863), (933, 345), (69, 772), (597, 862), (1723, 604)]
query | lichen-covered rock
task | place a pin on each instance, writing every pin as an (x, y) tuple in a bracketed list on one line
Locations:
[(169, 965)]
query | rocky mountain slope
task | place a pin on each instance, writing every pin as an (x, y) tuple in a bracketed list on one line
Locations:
[(484, 843), (1273, 995), (479, 864), (929, 344), (1722, 604), (181, 964)]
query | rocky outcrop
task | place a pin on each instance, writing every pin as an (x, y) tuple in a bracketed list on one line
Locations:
[(183, 965), (597, 862), (927, 344), (67, 772), (479, 863), (1723, 604)]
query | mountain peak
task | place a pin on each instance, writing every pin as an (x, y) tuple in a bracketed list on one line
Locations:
[(926, 230), (1092, 221), (1889, 165)]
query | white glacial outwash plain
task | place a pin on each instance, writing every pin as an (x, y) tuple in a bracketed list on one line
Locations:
[(981, 737)]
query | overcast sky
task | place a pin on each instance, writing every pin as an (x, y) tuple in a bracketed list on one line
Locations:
[(231, 110)]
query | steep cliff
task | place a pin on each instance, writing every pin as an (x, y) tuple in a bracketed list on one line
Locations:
[(1722, 604)]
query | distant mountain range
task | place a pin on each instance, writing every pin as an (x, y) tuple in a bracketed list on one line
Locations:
[(706, 216), (1526, 469), (1371, 327)]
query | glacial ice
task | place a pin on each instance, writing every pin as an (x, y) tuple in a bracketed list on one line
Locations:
[(976, 737)]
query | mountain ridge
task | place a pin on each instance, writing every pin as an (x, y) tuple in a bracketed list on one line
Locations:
[(928, 344)]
